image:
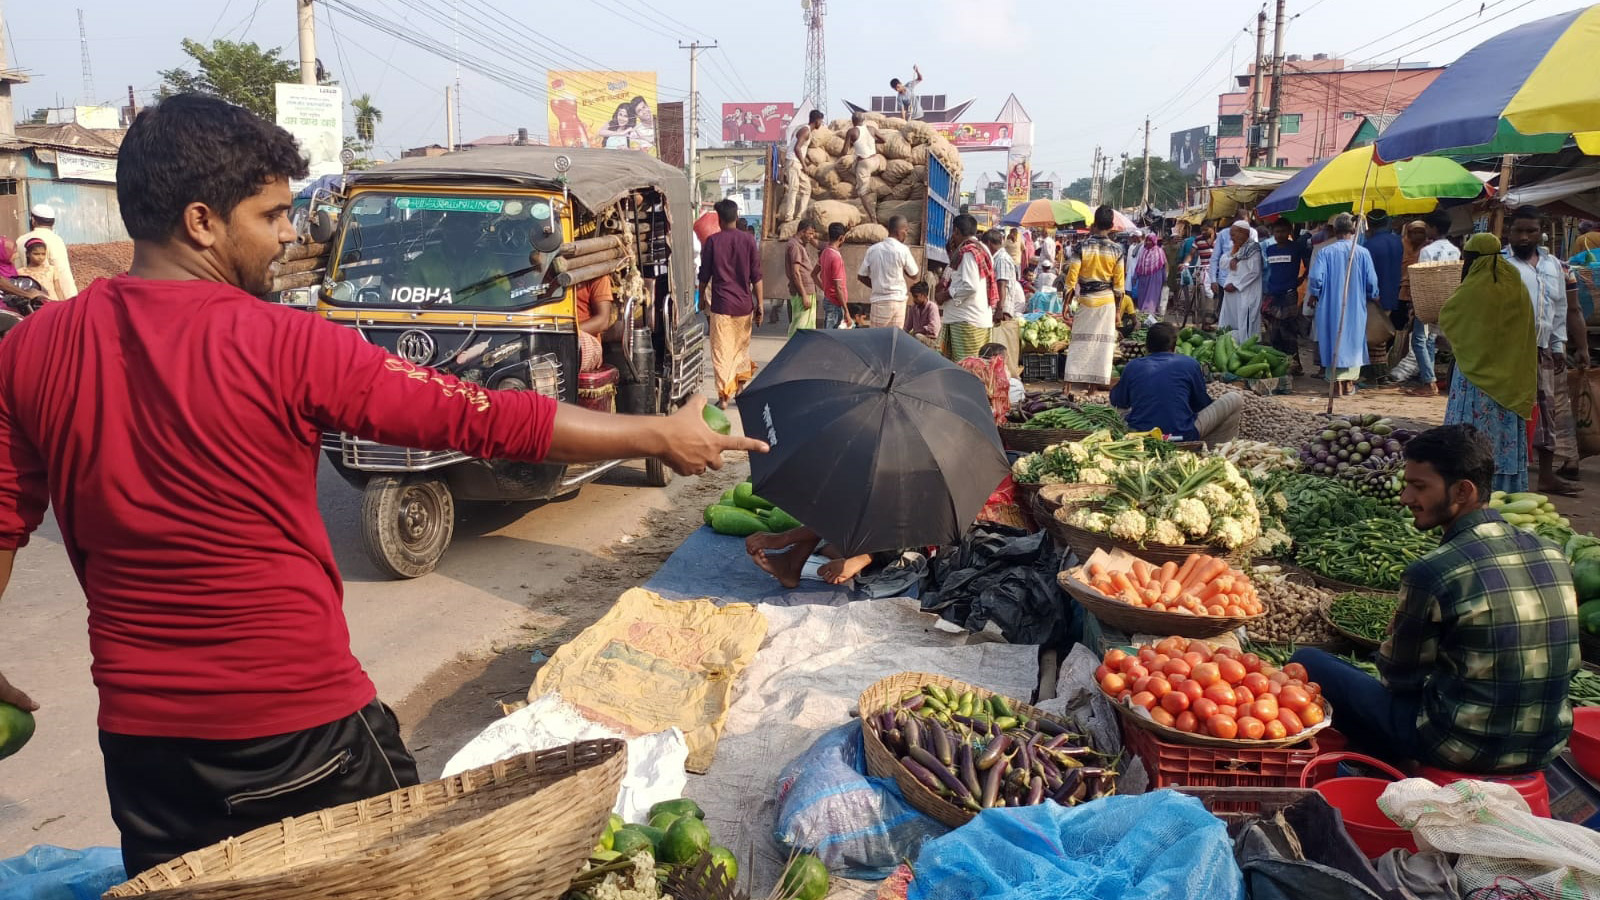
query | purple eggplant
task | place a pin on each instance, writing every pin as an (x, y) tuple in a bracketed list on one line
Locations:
[(950, 781), (994, 753), (921, 774)]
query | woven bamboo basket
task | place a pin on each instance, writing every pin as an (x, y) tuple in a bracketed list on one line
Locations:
[(1032, 440), (1137, 620), (881, 763), (1344, 587), (1084, 543), (1136, 718), (1432, 283), (1359, 640), (517, 828)]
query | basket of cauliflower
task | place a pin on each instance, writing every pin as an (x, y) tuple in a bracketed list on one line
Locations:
[(1163, 509)]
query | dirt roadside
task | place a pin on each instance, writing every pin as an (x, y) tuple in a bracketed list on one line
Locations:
[(457, 700)]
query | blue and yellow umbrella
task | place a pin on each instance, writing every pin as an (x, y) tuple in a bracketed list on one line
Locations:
[(1350, 182), (1525, 91)]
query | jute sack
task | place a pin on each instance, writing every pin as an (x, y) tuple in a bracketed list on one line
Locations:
[(870, 233), (846, 213), (1584, 386)]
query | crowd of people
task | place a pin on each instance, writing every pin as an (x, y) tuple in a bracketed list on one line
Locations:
[(40, 256)]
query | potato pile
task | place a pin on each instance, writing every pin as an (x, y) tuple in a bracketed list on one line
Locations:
[(1266, 419), (897, 187)]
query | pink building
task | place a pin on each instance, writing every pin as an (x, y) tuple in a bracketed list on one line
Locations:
[(1327, 107)]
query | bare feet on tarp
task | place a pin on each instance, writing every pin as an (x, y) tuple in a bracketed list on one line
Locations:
[(841, 570), (783, 556)]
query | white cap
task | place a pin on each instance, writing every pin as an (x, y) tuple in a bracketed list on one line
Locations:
[(44, 211)]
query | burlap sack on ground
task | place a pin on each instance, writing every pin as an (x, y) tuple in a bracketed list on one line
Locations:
[(845, 212), (828, 174), (820, 191), (869, 233), (877, 187), (846, 167), (829, 142)]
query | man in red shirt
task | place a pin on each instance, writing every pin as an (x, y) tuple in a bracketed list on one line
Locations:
[(172, 421), (830, 273)]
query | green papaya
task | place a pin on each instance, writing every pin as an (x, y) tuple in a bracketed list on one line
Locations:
[(744, 495), (779, 521), (734, 521)]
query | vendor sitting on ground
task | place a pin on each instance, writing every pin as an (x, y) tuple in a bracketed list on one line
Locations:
[(594, 302), (1167, 390), (1482, 649), (784, 556)]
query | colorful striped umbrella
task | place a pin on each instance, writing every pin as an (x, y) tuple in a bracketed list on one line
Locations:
[(1339, 184), (1083, 212), (1524, 91), (1041, 214)]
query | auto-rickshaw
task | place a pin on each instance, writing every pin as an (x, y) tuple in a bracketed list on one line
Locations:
[(469, 263)]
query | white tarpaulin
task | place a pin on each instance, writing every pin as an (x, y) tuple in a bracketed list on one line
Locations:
[(1579, 187), (806, 679)]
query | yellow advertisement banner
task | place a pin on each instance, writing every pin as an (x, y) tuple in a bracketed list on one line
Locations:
[(603, 109), (1019, 176)]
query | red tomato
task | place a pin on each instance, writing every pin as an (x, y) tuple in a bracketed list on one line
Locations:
[(1185, 721), (1265, 709), (1296, 671), (1203, 709), (1177, 667), (1158, 661), (1256, 682), (1222, 653), (1277, 677), (1275, 731), (1100, 672), (1294, 697), (1140, 684), (1158, 686), (1222, 726), (1312, 715), (1232, 670), (1171, 646), (1146, 654), (1274, 688), (1252, 662), (1207, 674), (1114, 657), (1162, 717), (1220, 693), (1243, 696), (1144, 699), (1251, 728), (1228, 709), (1134, 669), (1113, 684), (1194, 657), (1175, 702), (1291, 721), (1191, 689)]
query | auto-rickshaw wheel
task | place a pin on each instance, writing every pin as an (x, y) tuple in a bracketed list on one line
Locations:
[(656, 473), (407, 522)]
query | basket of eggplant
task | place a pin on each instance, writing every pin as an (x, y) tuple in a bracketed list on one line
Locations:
[(955, 749)]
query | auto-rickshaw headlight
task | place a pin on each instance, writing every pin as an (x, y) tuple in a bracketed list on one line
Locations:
[(545, 375)]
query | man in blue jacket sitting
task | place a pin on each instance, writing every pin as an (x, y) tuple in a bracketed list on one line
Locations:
[(1167, 390)]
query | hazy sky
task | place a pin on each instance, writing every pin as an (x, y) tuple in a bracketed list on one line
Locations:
[(1088, 73)]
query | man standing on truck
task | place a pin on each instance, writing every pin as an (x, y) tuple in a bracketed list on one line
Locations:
[(229, 696), (730, 276), (796, 186), (863, 141), (907, 95)]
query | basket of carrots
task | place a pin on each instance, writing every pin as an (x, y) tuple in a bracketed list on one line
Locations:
[(1202, 597)]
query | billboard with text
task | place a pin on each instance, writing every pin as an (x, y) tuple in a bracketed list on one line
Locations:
[(756, 123), (603, 109), (1189, 151), (976, 135)]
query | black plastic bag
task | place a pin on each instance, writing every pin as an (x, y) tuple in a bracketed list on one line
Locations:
[(1004, 577), (1304, 853)]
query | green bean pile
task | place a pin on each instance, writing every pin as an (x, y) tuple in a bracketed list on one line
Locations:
[(1585, 689), (1372, 553), (1365, 615), (1086, 417)]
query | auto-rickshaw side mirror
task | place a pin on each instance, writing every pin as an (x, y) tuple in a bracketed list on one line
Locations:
[(547, 236), (324, 225)]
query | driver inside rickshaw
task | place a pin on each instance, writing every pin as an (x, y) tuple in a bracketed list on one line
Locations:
[(595, 308), (463, 260)]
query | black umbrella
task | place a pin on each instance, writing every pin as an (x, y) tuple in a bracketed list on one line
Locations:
[(878, 443)]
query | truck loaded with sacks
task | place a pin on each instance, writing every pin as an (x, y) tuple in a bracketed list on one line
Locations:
[(917, 176)]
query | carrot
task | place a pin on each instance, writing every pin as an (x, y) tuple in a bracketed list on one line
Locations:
[(1131, 594), (1141, 573), (1120, 581), (1210, 592), (1188, 566), (1170, 591), (1096, 570), (1169, 570)]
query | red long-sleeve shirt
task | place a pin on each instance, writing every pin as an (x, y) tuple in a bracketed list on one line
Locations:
[(175, 426)]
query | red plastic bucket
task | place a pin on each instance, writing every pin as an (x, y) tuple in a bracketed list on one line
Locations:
[(1356, 799), (1531, 786), (1585, 740)]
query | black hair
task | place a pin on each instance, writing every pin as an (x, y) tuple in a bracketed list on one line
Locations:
[(894, 83), (994, 237), (1161, 337), (990, 351), (1284, 223), (1458, 453), (894, 224), (836, 231), (727, 212), (805, 225), (816, 116), (1439, 222), (192, 148), (920, 287), (1528, 211), (966, 225), (1103, 218)]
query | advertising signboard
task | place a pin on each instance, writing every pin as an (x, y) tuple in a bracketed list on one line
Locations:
[(756, 123), (1019, 176), (976, 135), (314, 114), (603, 109), (1188, 149)]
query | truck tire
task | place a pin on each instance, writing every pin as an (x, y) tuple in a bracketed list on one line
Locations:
[(407, 522), (656, 473)]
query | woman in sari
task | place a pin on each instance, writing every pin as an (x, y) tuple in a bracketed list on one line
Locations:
[(1489, 323), (1149, 274)]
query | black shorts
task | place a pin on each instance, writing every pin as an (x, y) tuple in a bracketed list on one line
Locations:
[(173, 795)]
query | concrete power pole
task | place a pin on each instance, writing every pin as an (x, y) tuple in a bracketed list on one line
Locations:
[(308, 41), (1275, 109), (449, 119), (1144, 198), (1253, 151), (1094, 179), (694, 49)]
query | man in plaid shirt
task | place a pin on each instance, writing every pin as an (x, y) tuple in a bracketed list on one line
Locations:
[(1484, 644)]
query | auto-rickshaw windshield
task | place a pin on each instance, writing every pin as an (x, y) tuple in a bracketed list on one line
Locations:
[(414, 249)]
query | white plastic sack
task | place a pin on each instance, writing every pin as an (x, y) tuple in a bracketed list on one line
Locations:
[(1496, 838), (655, 761)]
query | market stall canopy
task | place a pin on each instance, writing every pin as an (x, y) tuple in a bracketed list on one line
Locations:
[(1524, 91), (877, 442), (1242, 189), (1342, 183), (1579, 188)]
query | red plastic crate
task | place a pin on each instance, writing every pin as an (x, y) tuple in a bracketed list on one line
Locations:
[(1171, 765)]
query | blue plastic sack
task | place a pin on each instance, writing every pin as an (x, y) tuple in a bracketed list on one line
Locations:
[(859, 826), (56, 873), (1157, 846)]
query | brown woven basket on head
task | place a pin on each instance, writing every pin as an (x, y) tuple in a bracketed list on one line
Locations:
[(1133, 717), (881, 763), (1432, 283), (1138, 620), (1084, 542), (1325, 611), (517, 828)]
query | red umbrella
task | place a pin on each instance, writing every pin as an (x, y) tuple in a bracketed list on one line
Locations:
[(706, 226)]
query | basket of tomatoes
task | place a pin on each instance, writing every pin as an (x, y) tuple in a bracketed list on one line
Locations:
[(1192, 692)]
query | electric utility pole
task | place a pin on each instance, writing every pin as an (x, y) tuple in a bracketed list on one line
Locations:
[(1275, 109), (1094, 179), (694, 48), (1144, 198), (308, 41), (1253, 154)]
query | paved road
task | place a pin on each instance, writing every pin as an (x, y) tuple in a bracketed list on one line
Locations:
[(53, 791)]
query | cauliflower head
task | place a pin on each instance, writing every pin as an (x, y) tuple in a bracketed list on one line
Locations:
[(1215, 497), (1088, 520), (1228, 532), (1192, 516), (1129, 525), (1164, 531)]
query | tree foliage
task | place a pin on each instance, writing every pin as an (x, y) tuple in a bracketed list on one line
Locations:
[(367, 118), (1078, 190), (1167, 184), (237, 71)]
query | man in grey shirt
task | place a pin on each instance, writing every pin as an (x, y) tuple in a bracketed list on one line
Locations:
[(909, 109)]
